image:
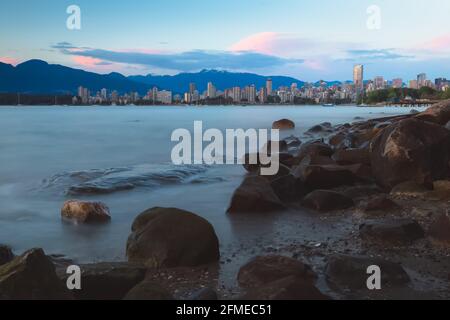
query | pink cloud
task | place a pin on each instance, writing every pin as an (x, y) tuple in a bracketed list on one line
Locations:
[(87, 61), (9, 60), (441, 43), (263, 42), (317, 65)]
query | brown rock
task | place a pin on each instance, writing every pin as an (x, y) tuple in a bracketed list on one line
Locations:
[(411, 150), (361, 191), (314, 148), (265, 269), (351, 271), (352, 156), (85, 212), (150, 291), (169, 237), (438, 113), (267, 148), (31, 276), (392, 231), (255, 195), (440, 228), (409, 189), (325, 200), (283, 124), (380, 203), (326, 176), (289, 188), (290, 288), (107, 280), (441, 190)]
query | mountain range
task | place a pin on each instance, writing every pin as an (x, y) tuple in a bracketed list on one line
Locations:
[(39, 77)]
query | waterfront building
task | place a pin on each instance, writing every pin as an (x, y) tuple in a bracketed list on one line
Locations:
[(397, 83), (164, 97), (263, 95), (358, 79), (269, 86), (421, 80), (211, 91), (413, 84)]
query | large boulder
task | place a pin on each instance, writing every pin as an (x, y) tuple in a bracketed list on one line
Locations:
[(326, 176), (326, 200), (380, 203), (31, 276), (289, 188), (411, 150), (107, 280), (150, 291), (392, 231), (265, 269), (283, 124), (440, 229), (352, 156), (6, 254), (255, 195), (290, 288), (351, 271), (169, 237), (438, 113), (314, 148), (85, 212), (409, 189)]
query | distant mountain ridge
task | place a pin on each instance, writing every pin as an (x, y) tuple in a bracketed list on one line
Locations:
[(37, 76), (40, 77), (221, 79)]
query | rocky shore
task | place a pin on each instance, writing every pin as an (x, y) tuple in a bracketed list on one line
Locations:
[(383, 183)]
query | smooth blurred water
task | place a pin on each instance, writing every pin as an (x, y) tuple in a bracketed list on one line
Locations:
[(37, 143)]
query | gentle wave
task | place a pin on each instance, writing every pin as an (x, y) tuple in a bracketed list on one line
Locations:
[(105, 181)]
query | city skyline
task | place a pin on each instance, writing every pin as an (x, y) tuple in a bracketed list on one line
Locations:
[(279, 38)]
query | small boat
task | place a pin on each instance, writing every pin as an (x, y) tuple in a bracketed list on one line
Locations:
[(328, 105)]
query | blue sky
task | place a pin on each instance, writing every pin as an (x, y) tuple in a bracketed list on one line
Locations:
[(310, 40)]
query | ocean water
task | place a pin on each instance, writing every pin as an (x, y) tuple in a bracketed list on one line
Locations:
[(51, 154)]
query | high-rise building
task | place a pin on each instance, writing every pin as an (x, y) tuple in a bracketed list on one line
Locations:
[(263, 95), (440, 83), (192, 88), (421, 80), (164, 97), (379, 83), (358, 79), (236, 94), (104, 94), (84, 95), (397, 83), (154, 96), (251, 94), (211, 91), (269, 86), (413, 84)]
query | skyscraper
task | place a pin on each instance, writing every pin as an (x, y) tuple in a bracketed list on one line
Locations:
[(269, 86), (397, 83), (211, 92), (358, 79), (192, 88), (421, 80), (251, 94)]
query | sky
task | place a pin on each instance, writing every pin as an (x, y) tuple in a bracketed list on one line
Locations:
[(308, 40)]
